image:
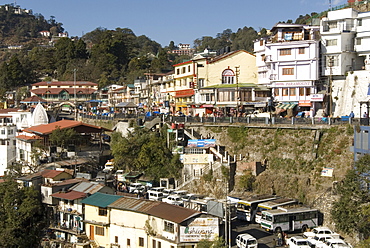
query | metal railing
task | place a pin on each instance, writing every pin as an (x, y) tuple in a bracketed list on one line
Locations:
[(235, 120)]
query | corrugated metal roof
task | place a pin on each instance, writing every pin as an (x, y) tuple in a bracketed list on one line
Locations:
[(87, 187), (70, 195), (100, 199), (162, 210)]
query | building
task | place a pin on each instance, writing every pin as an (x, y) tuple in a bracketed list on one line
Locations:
[(288, 63), (114, 221), (64, 91), (184, 49), (8, 132)]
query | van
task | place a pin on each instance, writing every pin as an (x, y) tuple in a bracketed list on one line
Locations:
[(246, 241), (155, 195)]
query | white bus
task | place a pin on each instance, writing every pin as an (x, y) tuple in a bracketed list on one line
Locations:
[(273, 204), (289, 219), (246, 208)]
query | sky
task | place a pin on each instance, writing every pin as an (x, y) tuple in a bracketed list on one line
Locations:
[(172, 20)]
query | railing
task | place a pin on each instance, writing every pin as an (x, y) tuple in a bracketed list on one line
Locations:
[(241, 120)]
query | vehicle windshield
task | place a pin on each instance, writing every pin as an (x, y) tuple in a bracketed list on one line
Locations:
[(302, 243), (252, 242)]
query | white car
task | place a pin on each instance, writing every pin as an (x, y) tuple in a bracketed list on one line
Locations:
[(246, 241), (174, 200), (136, 188), (319, 240), (320, 230), (335, 243), (298, 242)]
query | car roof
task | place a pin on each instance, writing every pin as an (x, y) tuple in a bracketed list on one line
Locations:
[(246, 236), (300, 238)]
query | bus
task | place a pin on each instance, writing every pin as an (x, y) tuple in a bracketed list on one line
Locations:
[(246, 208), (273, 204), (289, 219)]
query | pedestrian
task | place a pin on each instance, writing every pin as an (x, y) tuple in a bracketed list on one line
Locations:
[(274, 243), (285, 239), (365, 115), (351, 115), (280, 238)]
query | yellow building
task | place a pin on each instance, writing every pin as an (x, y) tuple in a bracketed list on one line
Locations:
[(126, 222)]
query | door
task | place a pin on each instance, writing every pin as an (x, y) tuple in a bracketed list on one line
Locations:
[(291, 223), (91, 232)]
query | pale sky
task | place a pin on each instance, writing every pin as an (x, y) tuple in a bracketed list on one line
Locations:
[(166, 20)]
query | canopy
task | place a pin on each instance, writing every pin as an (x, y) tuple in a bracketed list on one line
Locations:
[(126, 105), (286, 105)]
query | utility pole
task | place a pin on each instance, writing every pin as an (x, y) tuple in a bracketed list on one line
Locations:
[(237, 71), (330, 100), (74, 89)]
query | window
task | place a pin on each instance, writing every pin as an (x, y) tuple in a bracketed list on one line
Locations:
[(261, 42), (128, 242), (159, 244), (189, 68), (99, 230), (141, 242), (358, 41), (288, 71), (276, 91), (102, 211), (301, 50), (228, 77), (2, 131), (332, 42), (332, 24), (292, 91), (10, 131), (169, 227), (332, 61), (301, 91), (287, 51), (115, 239), (359, 22), (285, 91), (308, 91), (201, 82), (183, 70), (154, 244), (178, 71)]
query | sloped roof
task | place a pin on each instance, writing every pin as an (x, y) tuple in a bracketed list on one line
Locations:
[(55, 91), (87, 187), (33, 99), (100, 199), (28, 138), (51, 173), (70, 195), (126, 105), (225, 55), (158, 209), (65, 83), (49, 128)]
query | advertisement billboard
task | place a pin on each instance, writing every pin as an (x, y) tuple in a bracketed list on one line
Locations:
[(202, 143), (199, 229)]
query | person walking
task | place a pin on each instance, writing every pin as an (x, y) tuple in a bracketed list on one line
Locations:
[(351, 115), (280, 238)]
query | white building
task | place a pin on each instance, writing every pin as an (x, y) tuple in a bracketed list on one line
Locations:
[(7, 143), (288, 62), (346, 59)]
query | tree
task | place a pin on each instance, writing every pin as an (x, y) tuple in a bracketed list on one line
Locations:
[(63, 137), (217, 243), (145, 151), (247, 180), (21, 216), (351, 212)]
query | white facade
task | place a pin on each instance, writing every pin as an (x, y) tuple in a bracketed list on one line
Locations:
[(7, 146), (288, 62)]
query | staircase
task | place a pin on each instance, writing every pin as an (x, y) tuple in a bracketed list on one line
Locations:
[(152, 123)]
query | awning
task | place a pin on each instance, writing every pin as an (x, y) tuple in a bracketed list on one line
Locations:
[(286, 105)]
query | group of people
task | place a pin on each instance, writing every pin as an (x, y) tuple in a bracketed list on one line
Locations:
[(282, 239)]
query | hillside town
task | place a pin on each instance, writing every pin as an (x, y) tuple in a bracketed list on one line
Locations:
[(310, 76)]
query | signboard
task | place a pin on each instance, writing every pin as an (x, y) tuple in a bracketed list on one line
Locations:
[(197, 158), (292, 84), (200, 228), (327, 172), (317, 97), (202, 143)]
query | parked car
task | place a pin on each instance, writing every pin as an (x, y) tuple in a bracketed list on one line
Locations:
[(246, 240), (191, 197), (298, 242), (335, 243), (155, 195), (173, 199), (136, 188), (318, 240), (320, 230), (167, 192)]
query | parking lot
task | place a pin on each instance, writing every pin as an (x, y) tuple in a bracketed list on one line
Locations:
[(265, 239)]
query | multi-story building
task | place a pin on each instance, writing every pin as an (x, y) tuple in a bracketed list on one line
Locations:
[(8, 132), (288, 63), (346, 60), (61, 91), (115, 221), (184, 49)]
